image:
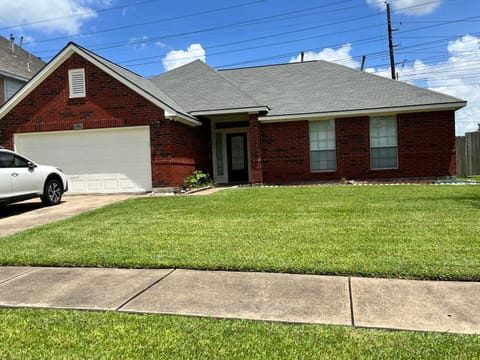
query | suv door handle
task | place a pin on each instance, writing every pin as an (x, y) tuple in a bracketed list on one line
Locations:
[(14, 174)]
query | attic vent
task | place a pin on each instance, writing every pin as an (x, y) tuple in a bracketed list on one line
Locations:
[(76, 78)]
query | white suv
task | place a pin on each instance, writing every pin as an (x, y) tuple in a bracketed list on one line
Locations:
[(22, 179)]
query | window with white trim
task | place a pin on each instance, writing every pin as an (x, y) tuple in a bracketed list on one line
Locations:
[(322, 146), (11, 87), (383, 142), (76, 81)]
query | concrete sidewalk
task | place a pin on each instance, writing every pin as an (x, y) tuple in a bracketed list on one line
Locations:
[(363, 302)]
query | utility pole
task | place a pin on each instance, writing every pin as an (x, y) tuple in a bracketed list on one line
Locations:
[(390, 41)]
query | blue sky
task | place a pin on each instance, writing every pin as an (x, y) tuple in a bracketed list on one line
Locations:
[(438, 40)]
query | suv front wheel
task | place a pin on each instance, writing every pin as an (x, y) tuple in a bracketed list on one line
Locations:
[(52, 193)]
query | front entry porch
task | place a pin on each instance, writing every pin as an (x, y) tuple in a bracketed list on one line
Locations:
[(232, 148)]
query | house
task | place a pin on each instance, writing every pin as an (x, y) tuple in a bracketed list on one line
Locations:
[(17, 66), (114, 131)]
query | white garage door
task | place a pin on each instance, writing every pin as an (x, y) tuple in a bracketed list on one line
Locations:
[(95, 161)]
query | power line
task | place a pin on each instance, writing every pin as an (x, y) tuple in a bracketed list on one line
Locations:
[(244, 23), (76, 15), (419, 28), (162, 20), (302, 13), (110, 45), (296, 40)]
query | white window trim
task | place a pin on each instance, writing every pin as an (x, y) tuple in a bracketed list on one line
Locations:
[(383, 147), (76, 83), (329, 149)]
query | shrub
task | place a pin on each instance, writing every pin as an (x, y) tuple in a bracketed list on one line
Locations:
[(198, 179)]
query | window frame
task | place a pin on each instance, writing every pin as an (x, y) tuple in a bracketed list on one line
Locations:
[(393, 119), (327, 149), (77, 83)]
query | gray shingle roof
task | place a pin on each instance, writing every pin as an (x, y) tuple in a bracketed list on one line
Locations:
[(324, 87), (285, 91), (21, 64), (198, 87)]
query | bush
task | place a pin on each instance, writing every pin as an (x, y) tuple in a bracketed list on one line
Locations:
[(198, 179)]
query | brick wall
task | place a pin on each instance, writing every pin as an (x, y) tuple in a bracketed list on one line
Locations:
[(108, 104), (353, 148), (178, 150), (426, 149), (426, 144), (256, 157), (285, 151)]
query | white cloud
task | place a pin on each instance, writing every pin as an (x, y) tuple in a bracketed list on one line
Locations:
[(340, 56), (176, 58), (408, 7), (138, 43), (49, 16), (458, 76), (160, 44)]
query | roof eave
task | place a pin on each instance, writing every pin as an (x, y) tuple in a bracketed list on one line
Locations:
[(13, 76), (182, 118), (363, 112), (257, 109)]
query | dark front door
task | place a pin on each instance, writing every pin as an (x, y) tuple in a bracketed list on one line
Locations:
[(237, 157)]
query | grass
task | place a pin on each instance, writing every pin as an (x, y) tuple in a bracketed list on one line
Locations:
[(49, 334), (471, 179), (426, 232), (423, 232)]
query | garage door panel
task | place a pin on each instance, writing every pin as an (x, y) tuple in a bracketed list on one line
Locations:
[(103, 183), (95, 161)]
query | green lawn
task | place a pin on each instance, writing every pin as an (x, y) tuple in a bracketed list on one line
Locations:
[(475, 179), (49, 334), (395, 231), (429, 232)]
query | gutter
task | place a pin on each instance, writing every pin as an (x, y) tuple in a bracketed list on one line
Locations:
[(363, 112)]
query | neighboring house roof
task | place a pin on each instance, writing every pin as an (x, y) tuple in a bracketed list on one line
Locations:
[(19, 64), (322, 88), (203, 91)]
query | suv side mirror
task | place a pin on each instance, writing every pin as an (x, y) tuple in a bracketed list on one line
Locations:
[(31, 165)]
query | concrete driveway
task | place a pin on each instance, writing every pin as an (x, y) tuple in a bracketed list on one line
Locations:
[(31, 213)]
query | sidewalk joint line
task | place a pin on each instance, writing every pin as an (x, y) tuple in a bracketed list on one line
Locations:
[(144, 290), (352, 316), (18, 275)]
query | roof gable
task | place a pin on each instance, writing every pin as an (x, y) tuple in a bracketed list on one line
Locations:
[(133, 81)]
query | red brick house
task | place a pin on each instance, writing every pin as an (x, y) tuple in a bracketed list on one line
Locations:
[(115, 131)]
